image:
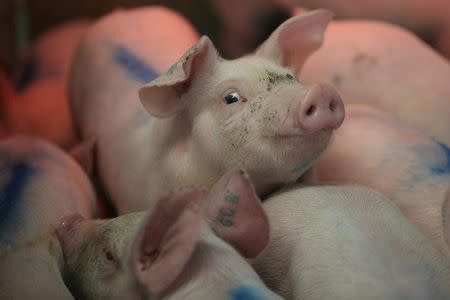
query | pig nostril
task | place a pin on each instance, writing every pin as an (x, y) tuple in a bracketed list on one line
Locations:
[(333, 106), (311, 110)]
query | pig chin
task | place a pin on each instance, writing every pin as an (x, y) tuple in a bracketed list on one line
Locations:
[(301, 144), (301, 151)]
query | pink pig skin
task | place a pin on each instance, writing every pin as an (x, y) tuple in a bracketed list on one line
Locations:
[(53, 51), (410, 168), (244, 22), (386, 67), (182, 249), (208, 115), (39, 184), (348, 242), (41, 110), (39, 104)]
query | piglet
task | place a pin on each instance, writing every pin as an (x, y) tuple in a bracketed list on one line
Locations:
[(412, 169), (245, 21), (39, 184), (348, 242), (183, 249), (386, 67), (51, 54), (38, 105), (208, 115)]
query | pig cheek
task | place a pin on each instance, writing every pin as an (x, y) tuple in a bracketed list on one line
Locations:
[(236, 134)]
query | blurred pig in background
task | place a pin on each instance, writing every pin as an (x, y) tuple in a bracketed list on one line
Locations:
[(386, 67), (369, 62), (39, 184), (6, 92), (38, 105), (410, 168), (348, 242), (245, 23), (179, 250), (208, 115)]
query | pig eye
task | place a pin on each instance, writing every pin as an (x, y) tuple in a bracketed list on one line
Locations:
[(232, 97), (109, 256)]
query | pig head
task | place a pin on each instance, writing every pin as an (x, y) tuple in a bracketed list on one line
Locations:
[(178, 251), (251, 112)]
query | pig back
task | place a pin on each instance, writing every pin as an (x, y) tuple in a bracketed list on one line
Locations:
[(120, 53), (325, 237), (376, 64), (39, 184)]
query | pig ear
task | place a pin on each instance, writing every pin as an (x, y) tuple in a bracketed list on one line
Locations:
[(236, 215), (167, 240), (294, 40), (83, 153), (162, 97)]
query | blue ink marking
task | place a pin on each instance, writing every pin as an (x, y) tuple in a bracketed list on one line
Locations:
[(133, 65), (232, 197), (301, 168), (11, 194), (29, 73), (443, 168), (248, 292)]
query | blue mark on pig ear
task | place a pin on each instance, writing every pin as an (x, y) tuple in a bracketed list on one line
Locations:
[(28, 74), (444, 168), (11, 195), (135, 66), (248, 292)]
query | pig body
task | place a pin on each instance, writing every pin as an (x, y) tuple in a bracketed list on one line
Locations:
[(38, 185), (51, 55), (386, 67), (176, 252), (6, 92), (412, 169), (41, 110), (38, 105), (347, 242), (244, 23), (209, 115)]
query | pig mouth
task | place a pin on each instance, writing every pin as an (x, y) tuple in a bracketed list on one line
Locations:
[(301, 135)]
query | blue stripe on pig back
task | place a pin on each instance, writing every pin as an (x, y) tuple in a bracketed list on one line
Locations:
[(11, 194), (28, 74), (135, 66), (444, 167), (248, 292)]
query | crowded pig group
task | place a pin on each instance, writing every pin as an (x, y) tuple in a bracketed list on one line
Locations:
[(184, 144)]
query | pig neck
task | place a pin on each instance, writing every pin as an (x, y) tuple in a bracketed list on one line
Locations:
[(181, 159)]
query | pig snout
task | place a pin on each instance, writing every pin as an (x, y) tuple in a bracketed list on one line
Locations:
[(321, 109), (66, 230)]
